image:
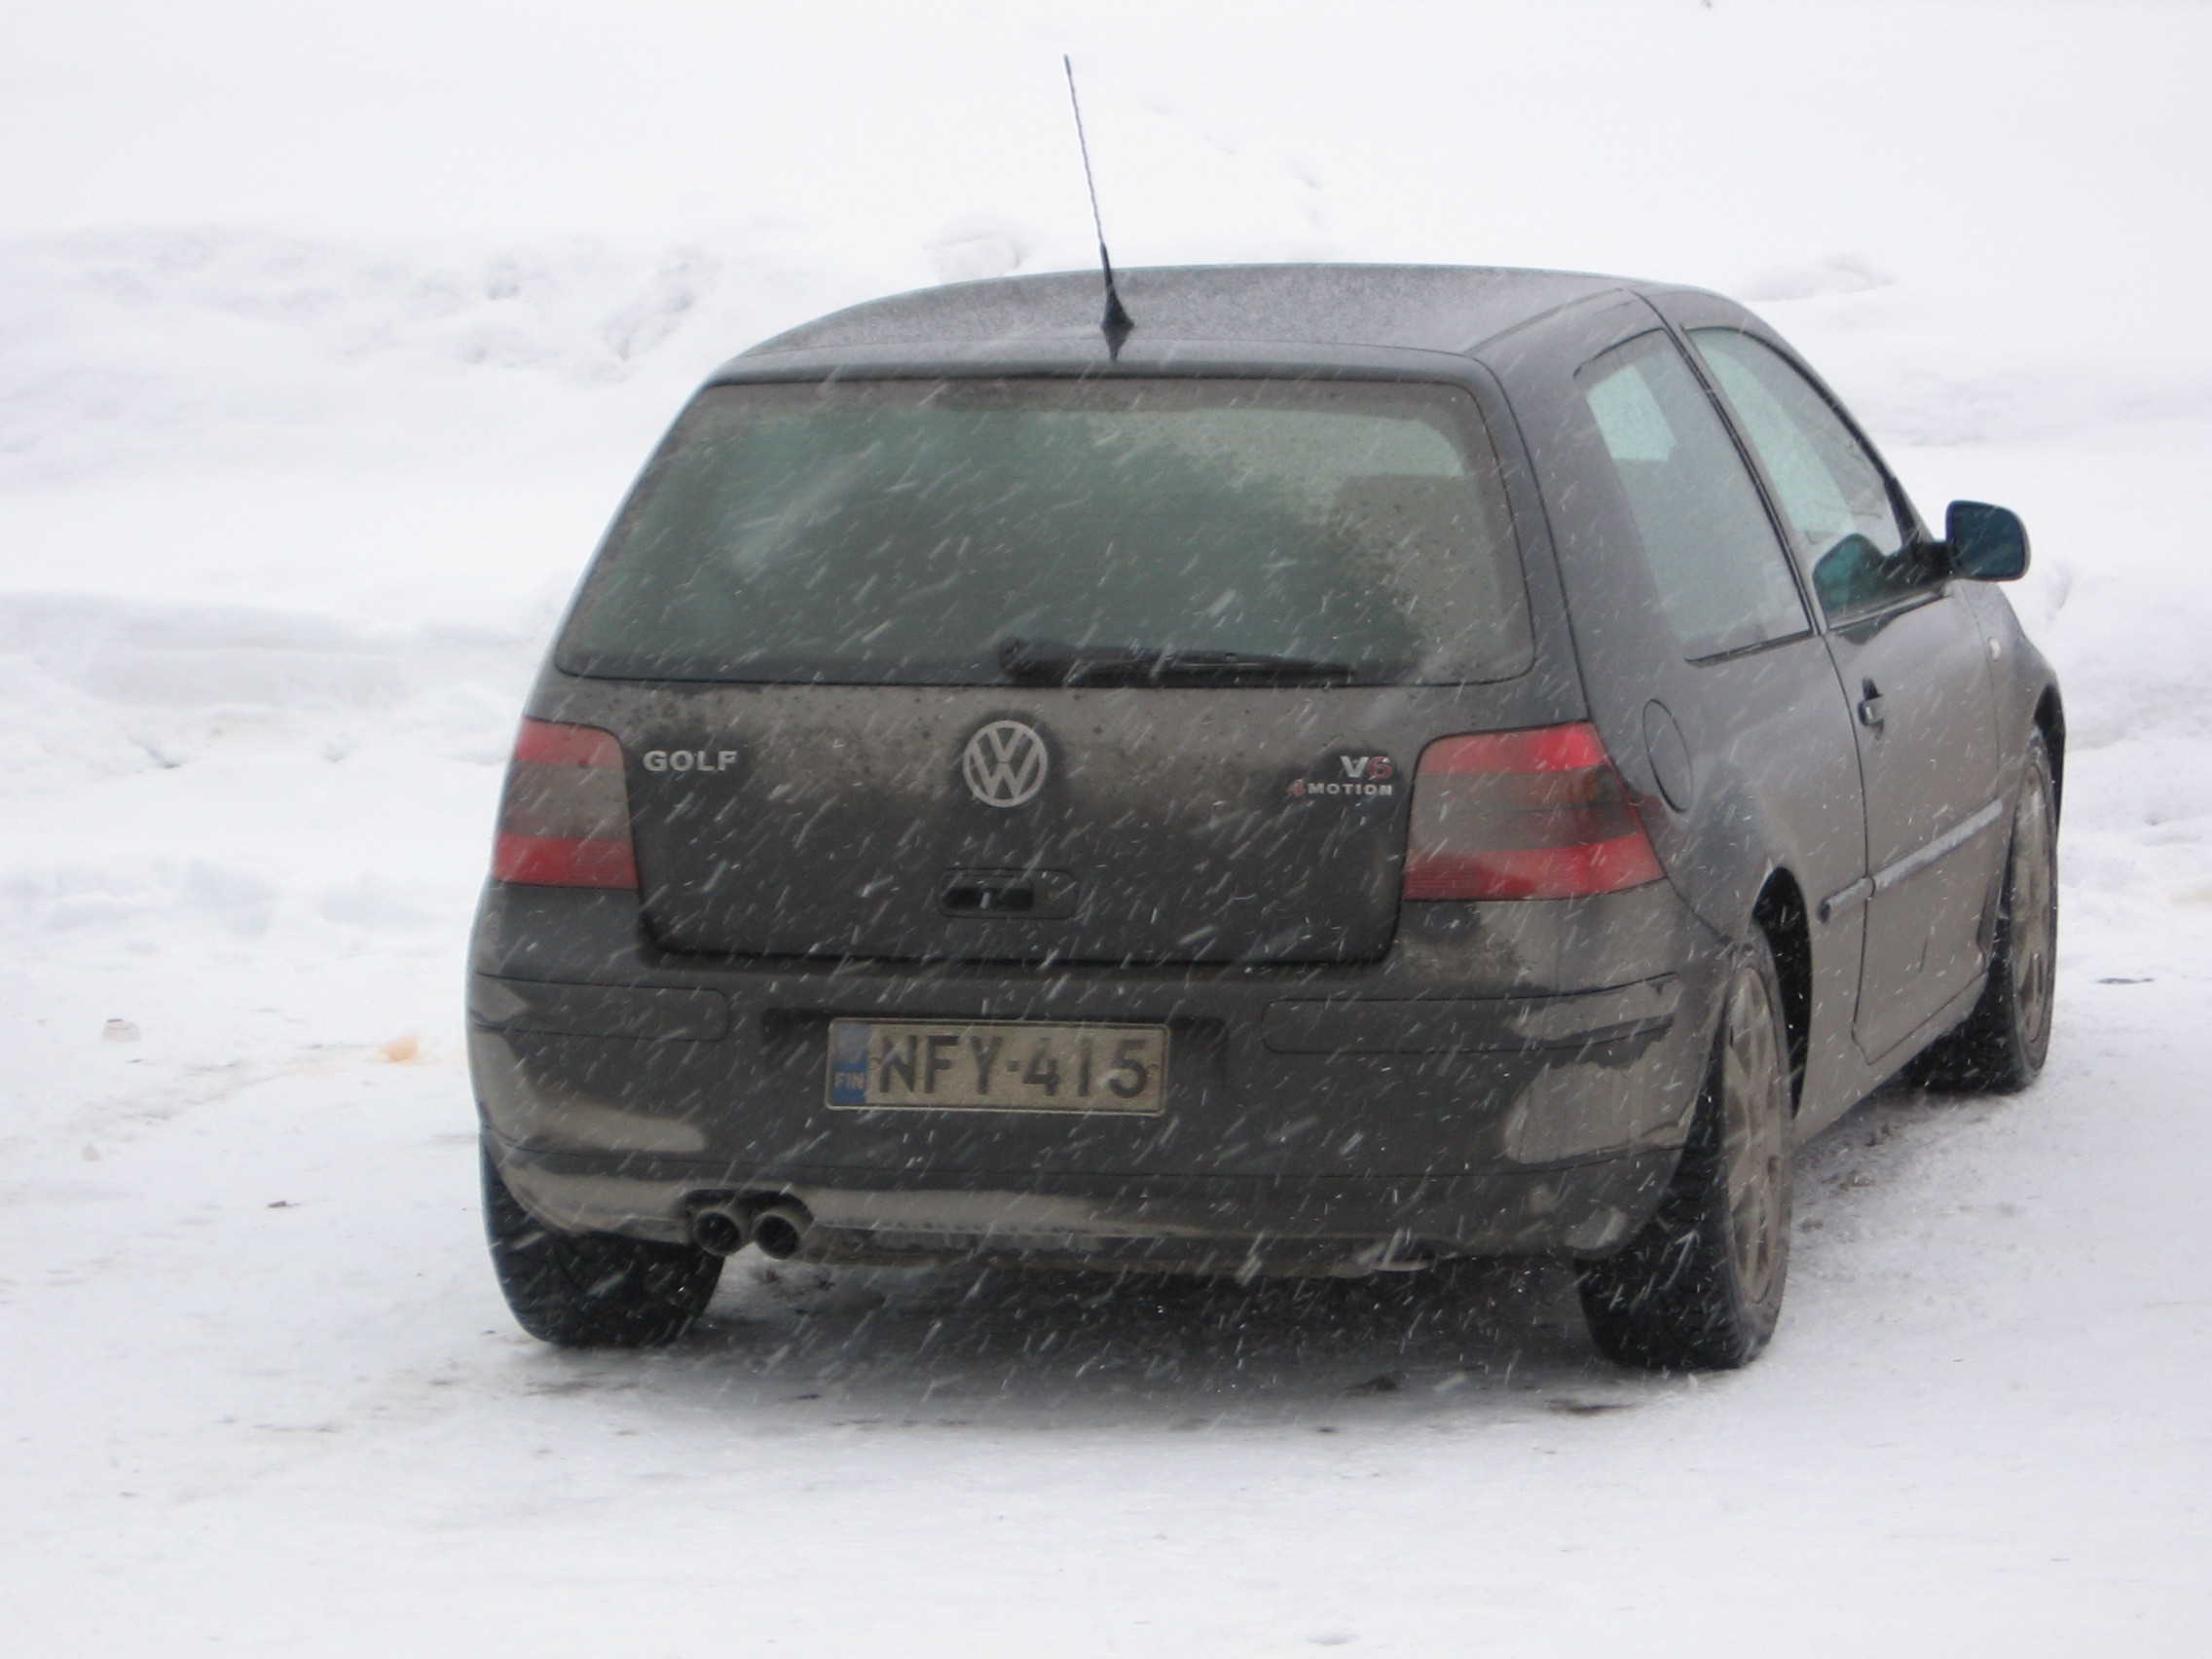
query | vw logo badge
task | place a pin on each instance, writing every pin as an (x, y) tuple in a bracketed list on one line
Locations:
[(1004, 765)]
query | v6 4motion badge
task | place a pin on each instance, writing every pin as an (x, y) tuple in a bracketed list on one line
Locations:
[(1362, 777)]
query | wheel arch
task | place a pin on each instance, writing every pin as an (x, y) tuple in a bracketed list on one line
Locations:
[(1780, 913), (2050, 721)]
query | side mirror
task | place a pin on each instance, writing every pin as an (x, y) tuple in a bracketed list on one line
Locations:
[(1988, 545)]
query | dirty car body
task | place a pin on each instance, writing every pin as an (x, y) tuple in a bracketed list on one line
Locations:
[(1284, 799)]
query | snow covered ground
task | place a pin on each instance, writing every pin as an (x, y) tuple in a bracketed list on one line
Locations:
[(329, 336)]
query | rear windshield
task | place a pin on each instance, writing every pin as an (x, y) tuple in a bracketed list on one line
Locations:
[(1185, 531)]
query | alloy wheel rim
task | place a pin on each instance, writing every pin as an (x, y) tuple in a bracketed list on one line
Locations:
[(1755, 1134)]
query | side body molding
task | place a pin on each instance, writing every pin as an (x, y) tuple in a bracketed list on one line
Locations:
[(1900, 871)]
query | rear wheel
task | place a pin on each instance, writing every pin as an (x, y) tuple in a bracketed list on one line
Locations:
[(1700, 1287), (592, 1289), (2000, 1048)]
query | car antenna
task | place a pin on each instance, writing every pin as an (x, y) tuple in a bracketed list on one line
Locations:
[(1117, 324)]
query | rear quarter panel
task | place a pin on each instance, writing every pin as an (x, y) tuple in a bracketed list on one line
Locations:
[(1773, 775)]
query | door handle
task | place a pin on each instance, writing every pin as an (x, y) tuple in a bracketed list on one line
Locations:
[(1870, 705)]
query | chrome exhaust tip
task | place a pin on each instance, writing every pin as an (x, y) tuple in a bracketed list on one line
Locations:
[(780, 1229), (718, 1231)]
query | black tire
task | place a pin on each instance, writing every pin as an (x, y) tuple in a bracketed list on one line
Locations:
[(1700, 1288), (2000, 1048), (592, 1289)]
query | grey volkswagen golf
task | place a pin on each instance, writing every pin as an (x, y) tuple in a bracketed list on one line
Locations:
[(1376, 765)]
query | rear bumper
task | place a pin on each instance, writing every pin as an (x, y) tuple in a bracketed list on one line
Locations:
[(1452, 1100), (1209, 1223)]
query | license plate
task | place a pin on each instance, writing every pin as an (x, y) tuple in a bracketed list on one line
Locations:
[(998, 1066)]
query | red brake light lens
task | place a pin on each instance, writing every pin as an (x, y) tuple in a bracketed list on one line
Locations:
[(565, 818), (1538, 814)]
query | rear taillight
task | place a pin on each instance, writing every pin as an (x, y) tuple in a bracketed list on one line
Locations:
[(564, 820), (1538, 814)]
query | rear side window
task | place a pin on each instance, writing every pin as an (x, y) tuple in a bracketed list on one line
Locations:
[(1830, 490), (916, 532), (1721, 577)]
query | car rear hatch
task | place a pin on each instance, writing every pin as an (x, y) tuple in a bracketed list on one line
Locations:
[(1133, 669)]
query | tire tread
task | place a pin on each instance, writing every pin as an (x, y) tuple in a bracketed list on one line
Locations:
[(592, 1289)]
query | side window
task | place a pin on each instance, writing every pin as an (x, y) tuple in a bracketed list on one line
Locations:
[(1723, 580), (1833, 496)]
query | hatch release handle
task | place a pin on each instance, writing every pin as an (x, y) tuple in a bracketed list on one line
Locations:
[(1011, 895)]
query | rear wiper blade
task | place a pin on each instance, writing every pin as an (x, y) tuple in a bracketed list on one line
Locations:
[(1055, 662), (1253, 667)]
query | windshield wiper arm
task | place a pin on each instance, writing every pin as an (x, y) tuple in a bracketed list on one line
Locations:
[(1055, 662)]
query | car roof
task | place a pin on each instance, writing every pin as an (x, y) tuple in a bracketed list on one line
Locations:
[(1434, 308)]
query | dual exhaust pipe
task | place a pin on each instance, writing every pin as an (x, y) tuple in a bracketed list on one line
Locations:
[(777, 1228)]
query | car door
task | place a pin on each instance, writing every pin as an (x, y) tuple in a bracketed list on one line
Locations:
[(1913, 669)]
